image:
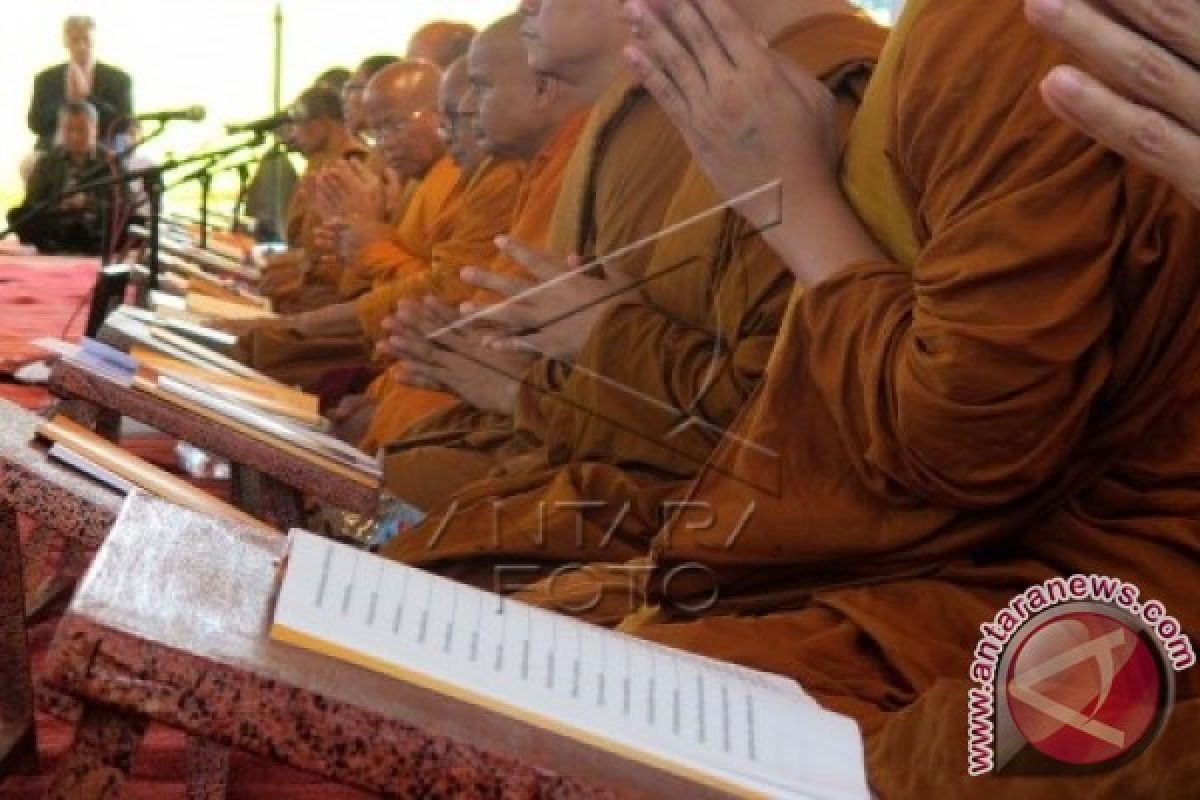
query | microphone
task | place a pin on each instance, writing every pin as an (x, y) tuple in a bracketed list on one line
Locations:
[(190, 114), (264, 125)]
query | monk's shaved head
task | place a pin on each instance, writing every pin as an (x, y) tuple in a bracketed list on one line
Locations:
[(402, 112), (441, 42), (512, 107), (459, 137)]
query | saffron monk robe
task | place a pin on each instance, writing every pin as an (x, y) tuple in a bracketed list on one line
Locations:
[(626, 144), (641, 405), (516, 114), (453, 218)]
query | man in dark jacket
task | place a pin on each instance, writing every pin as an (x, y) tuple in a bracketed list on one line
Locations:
[(54, 218), (81, 79)]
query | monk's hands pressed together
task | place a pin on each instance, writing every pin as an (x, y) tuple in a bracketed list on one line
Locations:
[(357, 201), (437, 352), (554, 313), (750, 117), (1142, 95)]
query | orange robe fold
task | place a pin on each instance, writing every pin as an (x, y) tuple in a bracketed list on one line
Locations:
[(534, 207), (1015, 395), (626, 143), (623, 430), (296, 354), (429, 219)]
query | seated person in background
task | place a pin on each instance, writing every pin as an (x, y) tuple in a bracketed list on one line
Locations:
[(440, 43), (81, 79), (1152, 115), (54, 219)]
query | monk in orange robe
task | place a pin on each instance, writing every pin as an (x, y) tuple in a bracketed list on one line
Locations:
[(519, 115), (992, 379), (626, 143), (452, 219), (637, 412), (313, 282), (320, 134)]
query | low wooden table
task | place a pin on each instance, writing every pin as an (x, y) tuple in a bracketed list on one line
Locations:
[(64, 505), (170, 624), (269, 482)]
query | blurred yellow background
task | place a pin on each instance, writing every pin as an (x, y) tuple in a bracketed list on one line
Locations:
[(215, 53)]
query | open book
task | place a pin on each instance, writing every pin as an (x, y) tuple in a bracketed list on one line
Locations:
[(715, 726), (106, 462)]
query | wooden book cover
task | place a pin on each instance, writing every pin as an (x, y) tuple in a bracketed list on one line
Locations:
[(205, 306), (90, 447), (721, 728)]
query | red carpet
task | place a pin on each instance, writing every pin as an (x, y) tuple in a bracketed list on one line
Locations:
[(39, 303), (37, 299)]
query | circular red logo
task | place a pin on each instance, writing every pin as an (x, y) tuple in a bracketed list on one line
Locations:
[(1085, 688)]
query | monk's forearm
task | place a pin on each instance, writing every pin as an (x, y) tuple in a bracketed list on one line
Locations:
[(332, 321), (814, 230)]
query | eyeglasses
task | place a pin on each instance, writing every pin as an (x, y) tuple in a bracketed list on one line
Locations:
[(396, 128)]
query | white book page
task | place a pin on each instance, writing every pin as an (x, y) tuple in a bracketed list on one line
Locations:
[(757, 732)]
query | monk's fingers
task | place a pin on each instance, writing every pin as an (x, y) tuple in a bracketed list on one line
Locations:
[(1173, 23), (660, 86), (741, 43), (1144, 136), (413, 348), (1128, 61), (538, 263), (700, 39), (491, 281), (658, 43), (438, 311)]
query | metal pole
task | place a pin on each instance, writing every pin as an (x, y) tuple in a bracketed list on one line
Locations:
[(281, 153)]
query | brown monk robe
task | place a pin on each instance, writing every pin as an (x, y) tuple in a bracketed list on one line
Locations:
[(657, 382), (1014, 395), (515, 113), (626, 143), (319, 133), (452, 219)]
